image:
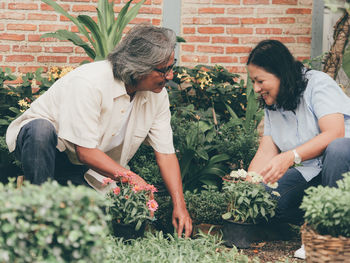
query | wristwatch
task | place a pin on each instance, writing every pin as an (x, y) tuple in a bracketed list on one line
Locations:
[(297, 158)]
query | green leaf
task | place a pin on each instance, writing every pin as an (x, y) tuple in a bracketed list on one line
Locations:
[(226, 216)]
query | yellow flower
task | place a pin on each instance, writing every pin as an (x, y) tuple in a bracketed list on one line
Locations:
[(23, 103)]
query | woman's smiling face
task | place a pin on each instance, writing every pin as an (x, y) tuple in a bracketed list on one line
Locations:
[(264, 83)]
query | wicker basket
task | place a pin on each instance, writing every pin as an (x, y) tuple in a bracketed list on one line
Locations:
[(324, 248)]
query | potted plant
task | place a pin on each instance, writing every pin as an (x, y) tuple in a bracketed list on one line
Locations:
[(131, 206), (249, 205), (205, 208), (326, 232)]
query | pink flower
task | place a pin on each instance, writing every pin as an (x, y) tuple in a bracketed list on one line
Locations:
[(152, 205), (152, 188), (107, 181), (116, 190), (137, 188)]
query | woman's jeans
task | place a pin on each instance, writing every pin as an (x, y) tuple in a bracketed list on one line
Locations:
[(291, 187), (36, 149)]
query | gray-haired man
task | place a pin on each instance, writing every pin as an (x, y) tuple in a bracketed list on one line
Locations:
[(97, 116)]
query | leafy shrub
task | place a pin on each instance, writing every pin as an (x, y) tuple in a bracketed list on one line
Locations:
[(327, 209), (248, 201), (144, 164), (51, 223), (159, 249), (208, 87), (206, 206)]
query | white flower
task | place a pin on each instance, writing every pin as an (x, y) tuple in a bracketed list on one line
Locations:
[(239, 174), (272, 185), (275, 193), (256, 178)]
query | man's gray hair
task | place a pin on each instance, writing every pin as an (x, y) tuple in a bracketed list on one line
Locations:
[(143, 48)]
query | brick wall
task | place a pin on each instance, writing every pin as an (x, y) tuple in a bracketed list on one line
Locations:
[(224, 31), (217, 31)]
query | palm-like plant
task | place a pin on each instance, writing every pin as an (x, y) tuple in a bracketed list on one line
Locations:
[(104, 35)]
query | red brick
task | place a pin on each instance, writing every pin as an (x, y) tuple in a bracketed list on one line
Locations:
[(189, 48), (26, 49), (304, 40), (225, 20), (227, 2), (150, 10), (194, 58), (224, 59), (78, 59), (26, 69), (243, 60), (84, 8), (196, 20), (188, 30), (301, 58), (305, 2), (268, 31), (211, 30), (55, 59), (239, 30), (4, 48), (238, 49), (240, 11), (251, 40), (270, 11), (2, 27), (50, 28), (45, 17), (19, 58), (211, 10), (13, 69), (13, 15), (21, 27), (256, 2), (156, 22), (306, 20), (79, 50), (285, 2), (59, 49), (251, 20), (139, 20), (222, 39), (237, 69), (299, 11), (46, 7), (282, 20), (14, 37), (285, 39), (298, 31), (210, 49), (22, 6)]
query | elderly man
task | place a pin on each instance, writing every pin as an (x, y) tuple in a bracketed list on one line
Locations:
[(98, 115)]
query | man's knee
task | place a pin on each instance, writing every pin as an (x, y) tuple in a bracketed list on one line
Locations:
[(40, 132)]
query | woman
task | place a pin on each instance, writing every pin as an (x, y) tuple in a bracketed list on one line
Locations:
[(306, 137)]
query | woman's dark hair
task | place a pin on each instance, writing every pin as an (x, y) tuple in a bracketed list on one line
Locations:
[(275, 58)]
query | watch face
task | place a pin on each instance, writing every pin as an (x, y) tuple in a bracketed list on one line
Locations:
[(297, 158)]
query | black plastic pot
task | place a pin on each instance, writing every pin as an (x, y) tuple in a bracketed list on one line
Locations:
[(127, 231), (241, 235)]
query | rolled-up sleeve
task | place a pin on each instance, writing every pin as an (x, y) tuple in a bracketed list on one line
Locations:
[(160, 136)]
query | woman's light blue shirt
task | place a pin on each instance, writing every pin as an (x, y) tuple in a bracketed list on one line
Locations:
[(290, 129)]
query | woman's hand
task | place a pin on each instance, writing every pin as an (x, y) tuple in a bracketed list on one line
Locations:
[(277, 167)]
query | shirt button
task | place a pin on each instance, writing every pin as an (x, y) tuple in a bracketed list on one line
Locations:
[(122, 111)]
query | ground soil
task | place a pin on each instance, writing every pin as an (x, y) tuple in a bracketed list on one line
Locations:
[(274, 251)]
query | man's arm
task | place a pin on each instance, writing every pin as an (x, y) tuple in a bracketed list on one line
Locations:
[(170, 171), (103, 164)]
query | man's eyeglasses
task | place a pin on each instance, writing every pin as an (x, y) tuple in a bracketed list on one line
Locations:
[(166, 71)]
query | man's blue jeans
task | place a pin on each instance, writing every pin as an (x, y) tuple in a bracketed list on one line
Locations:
[(36, 149), (291, 186)]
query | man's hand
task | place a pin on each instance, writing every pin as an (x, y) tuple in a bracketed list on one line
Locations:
[(182, 220)]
